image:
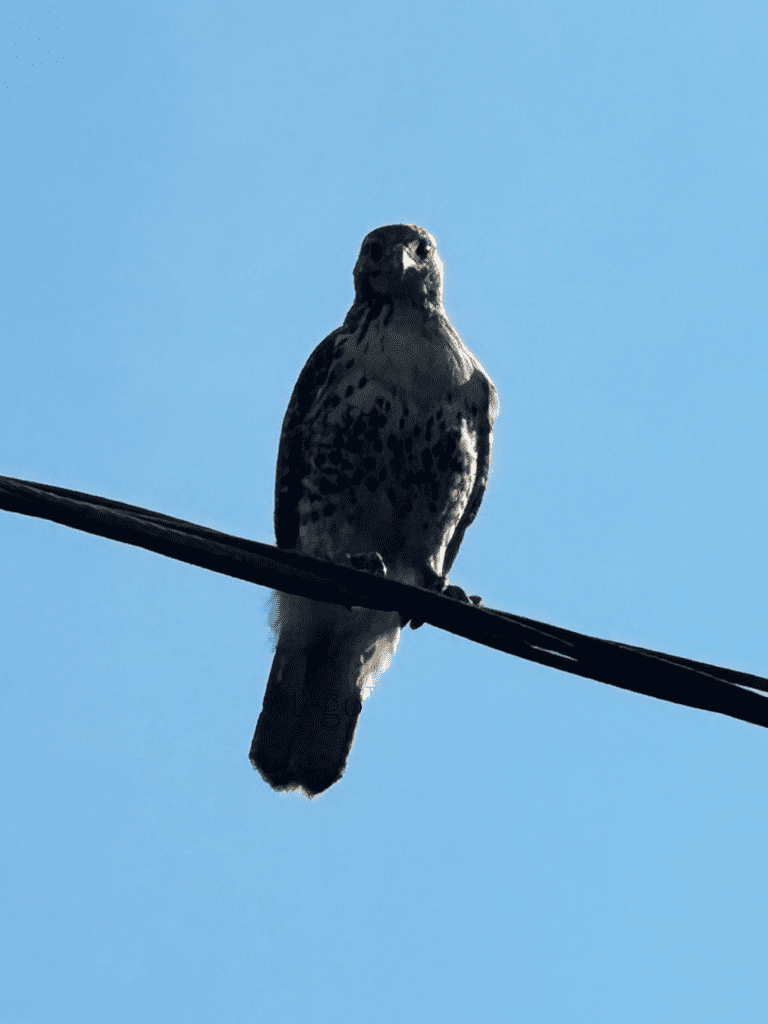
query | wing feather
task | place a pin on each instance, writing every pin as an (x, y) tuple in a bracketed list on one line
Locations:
[(292, 464), (486, 415)]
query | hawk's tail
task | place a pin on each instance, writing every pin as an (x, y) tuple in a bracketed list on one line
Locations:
[(326, 661)]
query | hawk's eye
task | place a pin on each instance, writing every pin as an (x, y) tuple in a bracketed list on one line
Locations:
[(375, 251), (423, 250)]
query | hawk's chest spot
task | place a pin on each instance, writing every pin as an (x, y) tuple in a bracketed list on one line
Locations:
[(390, 457)]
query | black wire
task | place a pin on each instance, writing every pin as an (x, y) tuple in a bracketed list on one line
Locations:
[(664, 676)]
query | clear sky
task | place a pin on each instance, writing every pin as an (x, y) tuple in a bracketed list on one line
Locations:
[(185, 187)]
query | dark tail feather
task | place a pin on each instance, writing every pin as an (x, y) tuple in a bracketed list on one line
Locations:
[(326, 660), (307, 724)]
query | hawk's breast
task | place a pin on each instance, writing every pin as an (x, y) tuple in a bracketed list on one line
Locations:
[(390, 445)]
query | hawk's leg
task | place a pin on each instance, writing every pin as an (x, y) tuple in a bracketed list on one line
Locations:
[(432, 581)]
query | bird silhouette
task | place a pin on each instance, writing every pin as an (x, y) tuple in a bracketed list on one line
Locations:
[(383, 461)]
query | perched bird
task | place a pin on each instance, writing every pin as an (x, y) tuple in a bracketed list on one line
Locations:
[(383, 462)]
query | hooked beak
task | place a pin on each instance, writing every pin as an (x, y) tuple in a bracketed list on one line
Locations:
[(407, 259)]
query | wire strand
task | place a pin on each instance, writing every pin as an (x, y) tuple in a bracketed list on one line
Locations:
[(666, 677)]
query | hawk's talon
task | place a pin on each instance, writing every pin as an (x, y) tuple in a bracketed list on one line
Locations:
[(368, 561), (438, 583)]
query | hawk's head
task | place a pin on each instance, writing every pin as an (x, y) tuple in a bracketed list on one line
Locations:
[(401, 262)]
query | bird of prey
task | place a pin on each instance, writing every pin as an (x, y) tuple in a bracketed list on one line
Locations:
[(383, 461)]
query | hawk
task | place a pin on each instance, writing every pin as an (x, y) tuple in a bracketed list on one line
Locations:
[(383, 461)]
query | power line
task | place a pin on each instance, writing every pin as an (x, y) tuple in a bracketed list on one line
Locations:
[(664, 676)]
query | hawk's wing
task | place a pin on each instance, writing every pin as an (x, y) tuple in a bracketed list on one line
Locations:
[(292, 466), (486, 414)]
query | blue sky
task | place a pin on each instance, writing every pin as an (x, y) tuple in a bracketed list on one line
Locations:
[(186, 186)]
